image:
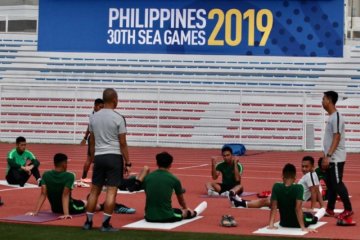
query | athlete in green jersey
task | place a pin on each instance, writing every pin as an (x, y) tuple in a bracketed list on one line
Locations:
[(288, 197), (159, 186), (56, 185), (21, 164), (231, 171)]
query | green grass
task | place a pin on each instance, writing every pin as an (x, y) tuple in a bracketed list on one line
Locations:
[(38, 232)]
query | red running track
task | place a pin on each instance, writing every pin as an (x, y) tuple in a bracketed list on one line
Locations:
[(261, 170)]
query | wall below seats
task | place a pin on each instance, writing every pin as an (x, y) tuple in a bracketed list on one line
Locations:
[(175, 117)]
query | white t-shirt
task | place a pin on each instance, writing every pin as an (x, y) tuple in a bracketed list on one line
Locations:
[(335, 124), (106, 125), (309, 180)]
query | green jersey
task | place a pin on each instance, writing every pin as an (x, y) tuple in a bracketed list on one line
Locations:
[(286, 197), (227, 172), (55, 183), (17, 160), (159, 186)]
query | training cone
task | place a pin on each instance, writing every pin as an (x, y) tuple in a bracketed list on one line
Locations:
[(346, 222), (201, 207)]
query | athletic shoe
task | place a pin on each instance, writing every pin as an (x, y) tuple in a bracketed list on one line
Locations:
[(212, 193), (237, 202), (226, 194), (108, 228), (39, 182), (345, 214), (228, 221), (330, 213), (264, 194), (200, 208), (87, 225), (346, 222), (82, 184), (232, 220), (122, 209), (235, 197), (85, 180)]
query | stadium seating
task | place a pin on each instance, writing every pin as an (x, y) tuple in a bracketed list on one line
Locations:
[(196, 101)]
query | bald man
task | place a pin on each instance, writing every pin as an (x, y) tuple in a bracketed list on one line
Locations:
[(109, 153)]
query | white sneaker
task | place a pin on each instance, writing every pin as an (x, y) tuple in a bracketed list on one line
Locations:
[(200, 208), (226, 194), (212, 193), (237, 198), (39, 182), (85, 180), (82, 184)]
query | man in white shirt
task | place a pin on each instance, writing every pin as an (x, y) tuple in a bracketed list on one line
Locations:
[(335, 156)]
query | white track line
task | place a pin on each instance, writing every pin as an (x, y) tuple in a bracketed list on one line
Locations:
[(196, 166)]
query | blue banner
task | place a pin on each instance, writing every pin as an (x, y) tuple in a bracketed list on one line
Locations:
[(227, 27)]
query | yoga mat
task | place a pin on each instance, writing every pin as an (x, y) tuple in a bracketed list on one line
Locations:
[(244, 194), (27, 185), (335, 210), (164, 226), (127, 192), (286, 231), (41, 217), (45, 216)]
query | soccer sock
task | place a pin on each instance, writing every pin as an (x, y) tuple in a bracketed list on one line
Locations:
[(201, 208), (89, 216), (319, 214), (106, 219)]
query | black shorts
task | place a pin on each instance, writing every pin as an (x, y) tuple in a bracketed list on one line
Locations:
[(76, 206), (226, 187), (175, 218), (88, 146), (309, 219), (130, 184), (108, 170), (127, 183)]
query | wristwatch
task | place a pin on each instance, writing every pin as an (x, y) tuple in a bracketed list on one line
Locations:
[(329, 155), (128, 164)]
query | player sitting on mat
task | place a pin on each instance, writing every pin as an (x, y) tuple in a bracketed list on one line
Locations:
[(309, 181), (231, 171), (159, 186), (288, 198), (56, 185)]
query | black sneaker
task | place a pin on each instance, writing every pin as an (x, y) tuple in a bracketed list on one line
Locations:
[(87, 225), (108, 228)]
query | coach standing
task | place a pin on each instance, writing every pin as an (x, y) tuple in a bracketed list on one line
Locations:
[(109, 150), (335, 156)]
